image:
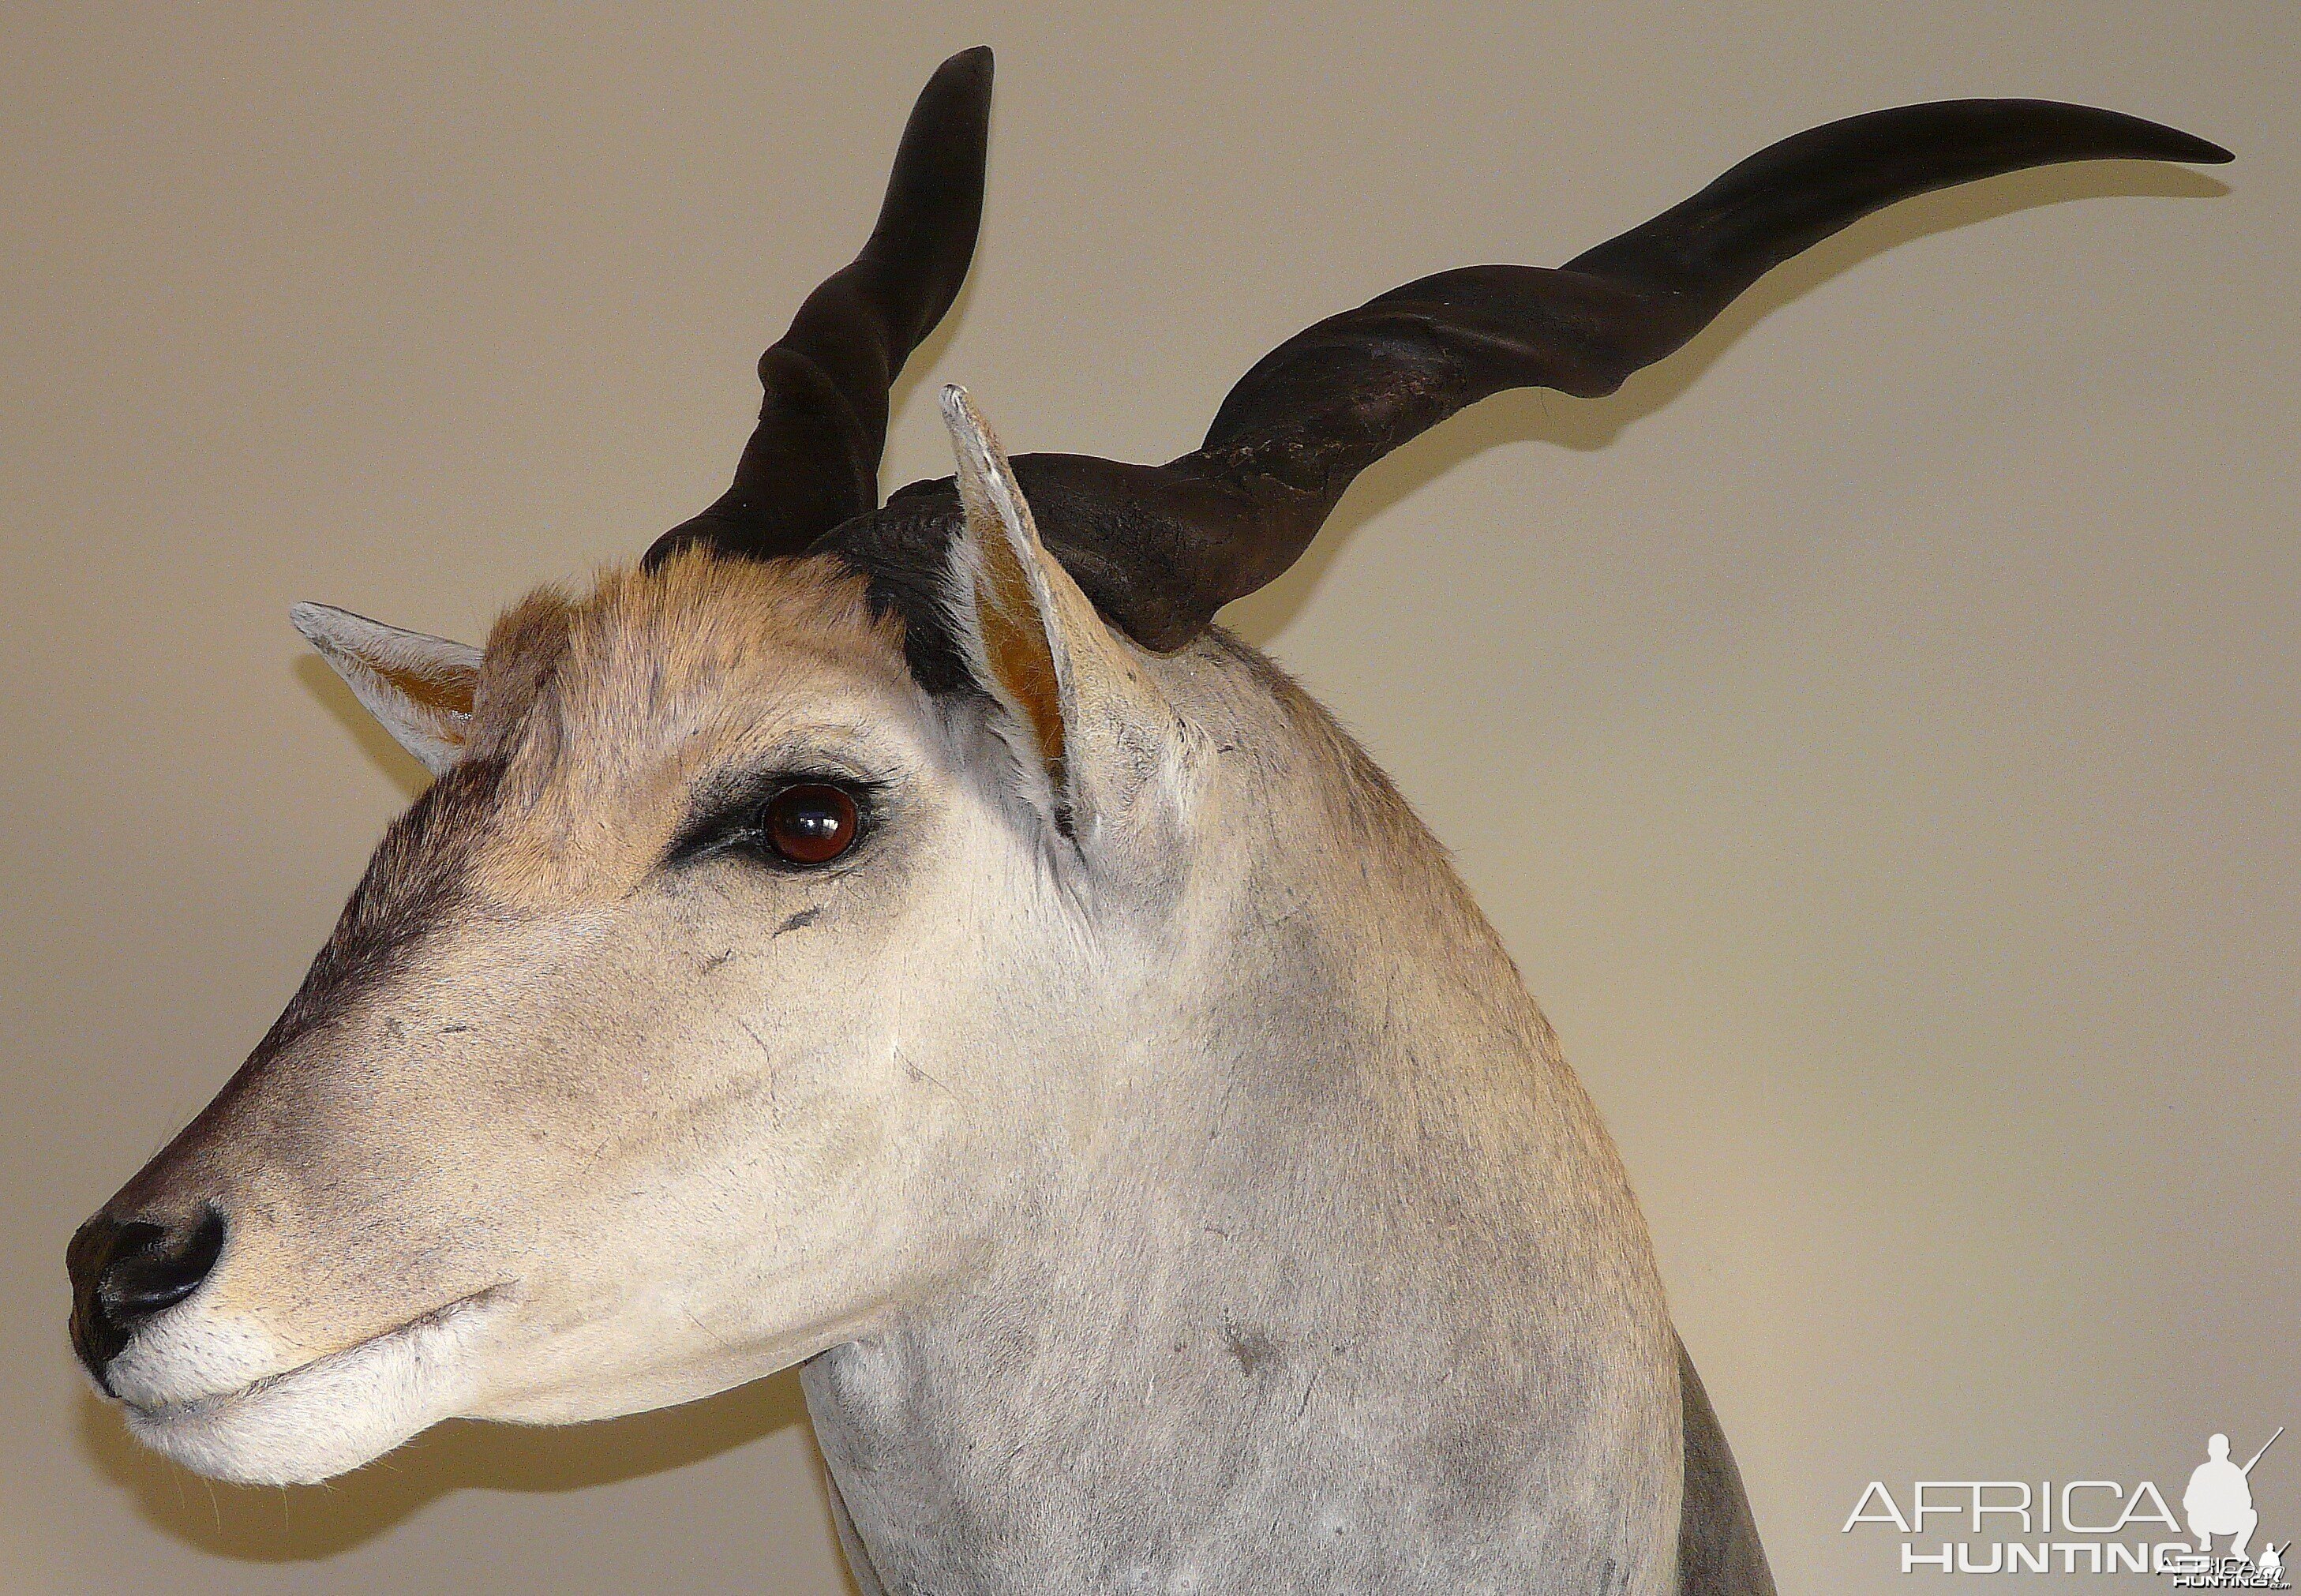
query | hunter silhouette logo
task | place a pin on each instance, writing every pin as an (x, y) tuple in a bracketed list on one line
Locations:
[(2219, 1501), (2088, 1527)]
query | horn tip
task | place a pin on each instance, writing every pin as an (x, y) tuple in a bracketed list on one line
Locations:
[(977, 62), (2163, 143)]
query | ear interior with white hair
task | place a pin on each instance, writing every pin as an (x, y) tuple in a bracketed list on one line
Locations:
[(418, 687), (1080, 717)]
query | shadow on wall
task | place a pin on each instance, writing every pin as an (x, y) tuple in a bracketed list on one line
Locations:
[(265, 1525), (321, 680), (1527, 415)]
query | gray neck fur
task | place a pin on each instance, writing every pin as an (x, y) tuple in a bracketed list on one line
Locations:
[(1347, 1289)]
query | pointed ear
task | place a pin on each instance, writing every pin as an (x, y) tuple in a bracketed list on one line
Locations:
[(1086, 726), (419, 687)]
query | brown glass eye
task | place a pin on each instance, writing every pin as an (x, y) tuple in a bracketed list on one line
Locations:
[(812, 823)]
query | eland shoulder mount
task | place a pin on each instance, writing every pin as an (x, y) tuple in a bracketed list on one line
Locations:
[(912, 941)]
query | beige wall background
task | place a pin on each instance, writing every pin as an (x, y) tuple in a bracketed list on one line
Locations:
[(1873, 730)]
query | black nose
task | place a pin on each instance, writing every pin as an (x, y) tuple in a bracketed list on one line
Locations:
[(126, 1272)]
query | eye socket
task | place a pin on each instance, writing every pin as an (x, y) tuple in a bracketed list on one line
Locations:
[(811, 824)]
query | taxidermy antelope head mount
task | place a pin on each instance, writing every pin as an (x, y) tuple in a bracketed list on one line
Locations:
[(911, 938)]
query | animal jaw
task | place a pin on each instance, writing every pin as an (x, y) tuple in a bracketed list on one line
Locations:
[(306, 1422), (912, 940)]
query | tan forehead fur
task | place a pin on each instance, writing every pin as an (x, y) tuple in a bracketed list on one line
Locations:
[(603, 711)]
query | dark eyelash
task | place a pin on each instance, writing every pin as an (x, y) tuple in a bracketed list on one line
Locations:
[(728, 821)]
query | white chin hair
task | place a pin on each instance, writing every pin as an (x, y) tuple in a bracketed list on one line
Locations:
[(328, 1416)]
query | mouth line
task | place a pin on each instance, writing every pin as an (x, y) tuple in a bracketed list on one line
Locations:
[(200, 1406)]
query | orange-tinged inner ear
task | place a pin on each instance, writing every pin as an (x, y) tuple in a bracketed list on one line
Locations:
[(1015, 646), (446, 691)]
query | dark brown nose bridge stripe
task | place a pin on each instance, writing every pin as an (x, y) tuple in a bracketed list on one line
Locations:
[(418, 878), (417, 881)]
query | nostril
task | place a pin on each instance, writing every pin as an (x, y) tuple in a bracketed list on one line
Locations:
[(127, 1272), (154, 1268)]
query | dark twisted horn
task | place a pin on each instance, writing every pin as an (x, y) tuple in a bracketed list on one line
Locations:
[(1160, 548), (814, 460)]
